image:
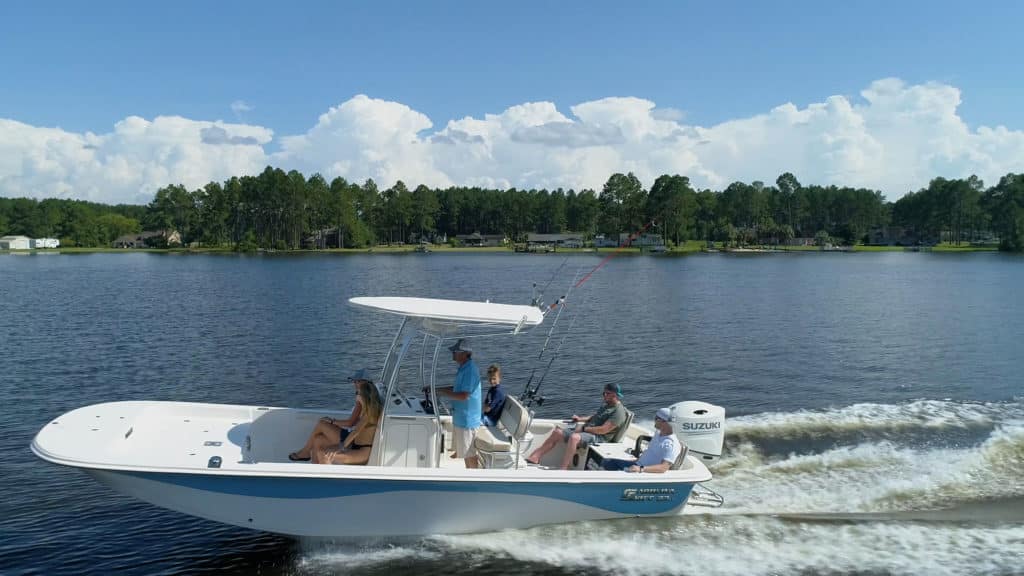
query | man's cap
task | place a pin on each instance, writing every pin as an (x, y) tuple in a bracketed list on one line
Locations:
[(614, 388), (665, 414), (461, 346), (361, 374)]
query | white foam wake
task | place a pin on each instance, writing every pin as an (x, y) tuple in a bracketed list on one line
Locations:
[(758, 545), (921, 414), (861, 508)]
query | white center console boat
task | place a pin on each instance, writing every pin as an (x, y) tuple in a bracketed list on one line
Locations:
[(229, 463)]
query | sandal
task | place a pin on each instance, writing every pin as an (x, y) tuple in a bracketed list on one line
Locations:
[(294, 457)]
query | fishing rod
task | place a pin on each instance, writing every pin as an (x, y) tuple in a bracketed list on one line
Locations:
[(538, 297), (529, 394)]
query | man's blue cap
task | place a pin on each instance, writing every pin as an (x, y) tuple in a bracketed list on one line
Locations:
[(461, 346)]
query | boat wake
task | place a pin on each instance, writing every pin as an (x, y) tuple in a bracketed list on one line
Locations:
[(844, 469), (931, 487)]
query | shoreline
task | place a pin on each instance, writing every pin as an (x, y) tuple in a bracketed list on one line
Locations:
[(691, 247)]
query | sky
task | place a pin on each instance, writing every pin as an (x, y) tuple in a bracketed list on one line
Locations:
[(109, 101)]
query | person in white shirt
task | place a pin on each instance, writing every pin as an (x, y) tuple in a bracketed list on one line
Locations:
[(661, 452)]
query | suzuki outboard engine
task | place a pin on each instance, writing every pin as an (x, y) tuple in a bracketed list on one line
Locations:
[(701, 427)]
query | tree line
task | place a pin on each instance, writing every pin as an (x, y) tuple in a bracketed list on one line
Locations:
[(287, 210)]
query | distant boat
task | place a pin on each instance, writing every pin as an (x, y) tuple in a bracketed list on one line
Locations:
[(423, 248)]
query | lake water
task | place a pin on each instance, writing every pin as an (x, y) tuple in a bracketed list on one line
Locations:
[(875, 402)]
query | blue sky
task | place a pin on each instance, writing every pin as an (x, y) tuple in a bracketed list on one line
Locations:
[(83, 67)]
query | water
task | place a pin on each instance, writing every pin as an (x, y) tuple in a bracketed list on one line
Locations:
[(876, 413)]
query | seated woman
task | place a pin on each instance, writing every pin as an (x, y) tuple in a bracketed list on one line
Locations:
[(331, 432), (356, 448)]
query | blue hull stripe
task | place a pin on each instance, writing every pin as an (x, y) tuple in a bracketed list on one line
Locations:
[(640, 498)]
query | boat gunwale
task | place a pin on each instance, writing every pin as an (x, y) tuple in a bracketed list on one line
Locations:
[(272, 469), (414, 475)]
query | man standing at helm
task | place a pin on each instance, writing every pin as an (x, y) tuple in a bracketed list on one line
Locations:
[(465, 397)]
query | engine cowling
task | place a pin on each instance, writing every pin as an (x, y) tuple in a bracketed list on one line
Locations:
[(701, 427)]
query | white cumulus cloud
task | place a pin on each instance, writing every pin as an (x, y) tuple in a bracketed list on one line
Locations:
[(893, 137), (129, 163), (365, 138)]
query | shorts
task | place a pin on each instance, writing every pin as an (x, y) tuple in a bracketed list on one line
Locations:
[(462, 441), (586, 438)]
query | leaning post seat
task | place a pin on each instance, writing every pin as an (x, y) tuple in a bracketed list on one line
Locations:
[(498, 446)]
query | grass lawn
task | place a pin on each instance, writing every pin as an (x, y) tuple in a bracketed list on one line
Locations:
[(947, 247)]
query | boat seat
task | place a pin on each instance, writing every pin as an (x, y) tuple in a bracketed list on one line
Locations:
[(495, 444)]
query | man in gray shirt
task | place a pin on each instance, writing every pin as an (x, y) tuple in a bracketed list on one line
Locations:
[(601, 427)]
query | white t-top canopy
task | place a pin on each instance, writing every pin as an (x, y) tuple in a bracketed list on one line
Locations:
[(458, 311)]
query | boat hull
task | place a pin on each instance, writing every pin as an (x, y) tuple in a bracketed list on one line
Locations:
[(229, 464), (358, 507)]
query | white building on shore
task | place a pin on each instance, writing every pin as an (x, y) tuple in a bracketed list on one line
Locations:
[(15, 243), (45, 243)]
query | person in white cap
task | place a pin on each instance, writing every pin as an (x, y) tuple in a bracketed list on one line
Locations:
[(329, 431), (661, 452), (465, 397)]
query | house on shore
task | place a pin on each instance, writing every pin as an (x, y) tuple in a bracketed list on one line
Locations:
[(15, 243), (326, 238), (26, 243), (479, 240), (567, 240), (899, 236), (642, 241), (148, 239)]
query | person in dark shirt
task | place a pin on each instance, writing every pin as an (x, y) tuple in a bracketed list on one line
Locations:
[(494, 401)]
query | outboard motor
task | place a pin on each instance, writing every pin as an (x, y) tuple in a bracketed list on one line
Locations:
[(701, 427)]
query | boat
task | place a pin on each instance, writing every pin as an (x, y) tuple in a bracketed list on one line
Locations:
[(229, 464)]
